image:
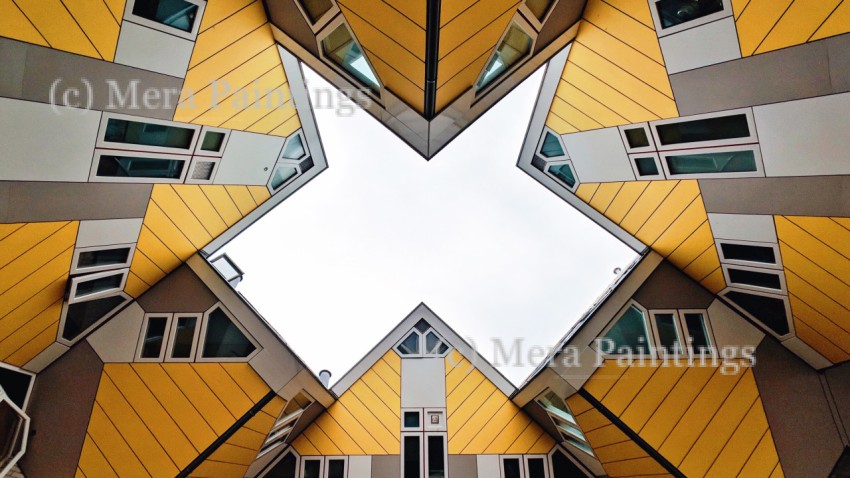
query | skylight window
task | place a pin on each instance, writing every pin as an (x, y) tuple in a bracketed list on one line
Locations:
[(514, 47), (341, 48)]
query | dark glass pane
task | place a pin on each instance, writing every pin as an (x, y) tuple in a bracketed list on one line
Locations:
[(697, 333), (130, 167), (411, 419), (443, 348), (646, 166), (564, 173), (539, 163), (285, 468), (184, 337), (336, 468), (740, 252), (148, 134), (675, 12), (629, 332), (11, 432), (422, 326), (709, 129), (213, 141), (410, 345), (431, 342), (753, 278), (539, 7), (411, 464), (15, 384), (103, 258), (83, 315), (312, 468), (436, 457), (768, 310), (154, 337), (551, 146), (511, 467), (563, 467), (536, 468), (637, 137), (178, 14), (668, 334), (101, 284), (708, 163), (224, 339), (341, 48), (281, 175), (316, 8), (515, 46)]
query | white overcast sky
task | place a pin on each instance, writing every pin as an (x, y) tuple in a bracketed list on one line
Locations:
[(496, 255)]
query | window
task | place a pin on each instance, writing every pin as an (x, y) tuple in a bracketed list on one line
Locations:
[(286, 467), (97, 285), (512, 467), (94, 259), (551, 146), (667, 333), (177, 17), (536, 467), (514, 48), (311, 468), (698, 333), (754, 278), (148, 134), (628, 334), (435, 451), (183, 338), (228, 269), (341, 48), (294, 161), (675, 12), (80, 317), (690, 164), (132, 167), (564, 420), (223, 338), (17, 383), (423, 455), (152, 345), (412, 420), (425, 342), (772, 311), (646, 166), (213, 141), (563, 466), (14, 430), (637, 138), (748, 253), (707, 130), (411, 456), (563, 172)]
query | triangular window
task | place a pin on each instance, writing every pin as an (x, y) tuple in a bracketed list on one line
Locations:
[(341, 48), (224, 339), (629, 333), (514, 47)]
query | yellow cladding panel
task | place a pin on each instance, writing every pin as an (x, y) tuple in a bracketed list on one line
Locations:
[(391, 22), (84, 27), (234, 456), (816, 257), (161, 416), (471, 21), (235, 77), (364, 421), (615, 73), (767, 25), (35, 260)]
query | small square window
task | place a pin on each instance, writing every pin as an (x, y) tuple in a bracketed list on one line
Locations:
[(646, 166), (411, 420), (636, 137), (213, 141)]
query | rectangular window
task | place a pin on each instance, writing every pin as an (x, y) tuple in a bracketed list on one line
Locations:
[(93, 259), (99, 284), (184, 337), (335, 468), (140, 167), (683, 164), (154, 337), (699, 337), (411, 464), (763, 280), (772, 311), (535, 467), (636, 138), (646, 166), (436, 450), (676, 12), (178, 17), (412, 420), (312, 468), (78, 318), (148, 134), (748, 253), (511, 467), (705, 130), (667, 330)]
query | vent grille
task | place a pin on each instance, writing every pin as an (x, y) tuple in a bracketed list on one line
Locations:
[(203, 170)]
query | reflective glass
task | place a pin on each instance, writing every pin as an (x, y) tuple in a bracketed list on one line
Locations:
[(515, 46), (629, 332)]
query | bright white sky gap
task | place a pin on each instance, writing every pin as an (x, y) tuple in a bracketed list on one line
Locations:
[(496, 255)]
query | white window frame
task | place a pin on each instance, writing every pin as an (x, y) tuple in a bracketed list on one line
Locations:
[(200, 140), (98, 153), (321, 22), (304, 461), (283, 164), (547, 130), (63, 316), (648, 177), (783, 287), (662, 32), (75, 282), (649, 337), (76, 269), (291, 138), (32, 376), (23, 430), (283, 426), (529, 30), (216, 161), (549, 164), (425, 452), (532, 18), (738, 262), (165, 337), (547, 471), (751, 125), (758, 173), (680, 329), (329, 28), (422, 335), (420, 426), (172, 336), (199, 350), (560, 448), (280, 457), (644, 149), (326, 465), (129, 16), (103, 144), (502, 459), (789, 318), (421, 437), (706, 320)]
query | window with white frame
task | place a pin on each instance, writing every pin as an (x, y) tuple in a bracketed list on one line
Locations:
[(424, 455), (13, 440), (773, 311), (551, 158), (524, 466), (324, 467), (628, 334), (672, 16), (513, 48), (422, 341), (338, 45), (101, 258), (682, 332), (294, 161), (177, 17), (285, 423), (564, 420)]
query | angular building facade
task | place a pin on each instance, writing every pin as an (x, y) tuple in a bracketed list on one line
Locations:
[(140, 136)]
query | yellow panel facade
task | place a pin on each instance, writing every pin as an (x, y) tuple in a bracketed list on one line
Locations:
[(768, 25), (704, 419), (615, 72), (35, 261), (235, 78), (153, 419), (816, 257)]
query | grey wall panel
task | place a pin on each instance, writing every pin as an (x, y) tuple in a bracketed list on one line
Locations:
[(686, 50), (564, 15), (838, 378), (384, 466), (803, 196), (463, 466), (60, 408), (599, 156), (179, 291), (804, 71), (43, 201), (423, 382), (248, 158), (30, 71), (670, 288), (800, 419), (153, 50), (286, 15)]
